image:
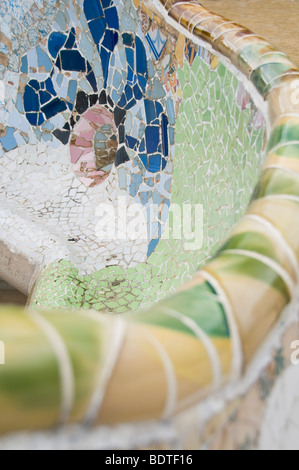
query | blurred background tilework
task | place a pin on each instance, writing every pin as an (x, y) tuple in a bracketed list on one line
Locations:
[(281, 15)]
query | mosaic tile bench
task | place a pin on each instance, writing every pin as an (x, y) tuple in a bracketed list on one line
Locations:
[(132, 136)]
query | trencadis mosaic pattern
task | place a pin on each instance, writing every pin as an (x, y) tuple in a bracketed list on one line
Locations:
[(61, 99), (109, 104), (97, 368)]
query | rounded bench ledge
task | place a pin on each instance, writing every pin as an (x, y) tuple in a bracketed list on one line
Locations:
[(16, 269), (155, 364)]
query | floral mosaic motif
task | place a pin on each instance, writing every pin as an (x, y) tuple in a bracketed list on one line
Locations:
[(142, 133), (93, 145), (157, 41), (142, 148), (70, 87), (44, 100), (103, 23)]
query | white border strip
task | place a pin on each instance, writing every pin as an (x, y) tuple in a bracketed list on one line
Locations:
[(106, 367), (283, 115), (289, 197), (196, 23), (281, 144), (222, 24), (278, 166), (250, 35), (171, 399), (268, 262), (277, 235), (270, 53), (189, 4), (235, 27), (204, 339), (64, 364), (285, 74), (237, 353)]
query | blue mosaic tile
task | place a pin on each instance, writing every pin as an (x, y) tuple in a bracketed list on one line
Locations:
[(43, 59), (152, 137), (70, 40), (141, 57), (141, 132), (156, 41), (152, 245), (19, 103), (131, 142), (92, 9), (72, 88), (167, 184), (3, 48), (27, 20), (86, 46), (164, 124), (44, 97), (149, 110), (54, 107), (116, 79), (49, 86), (156, 90), (105, 57), (149, 182), (33, 36), (36, 14), (8, 141), (15, 44), (127, 22), (97, 29), (72, 60), (110, 39), (43, 28), (156, 163), (50, 13), (48, 126), (61, 20), (128, 39), (55, 42), (13, 63), (16, 27), (88, 60), (59, 79), (31, 102), (24, 66), (122, 178), (112, 18), (121, 156), (142, 146)]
